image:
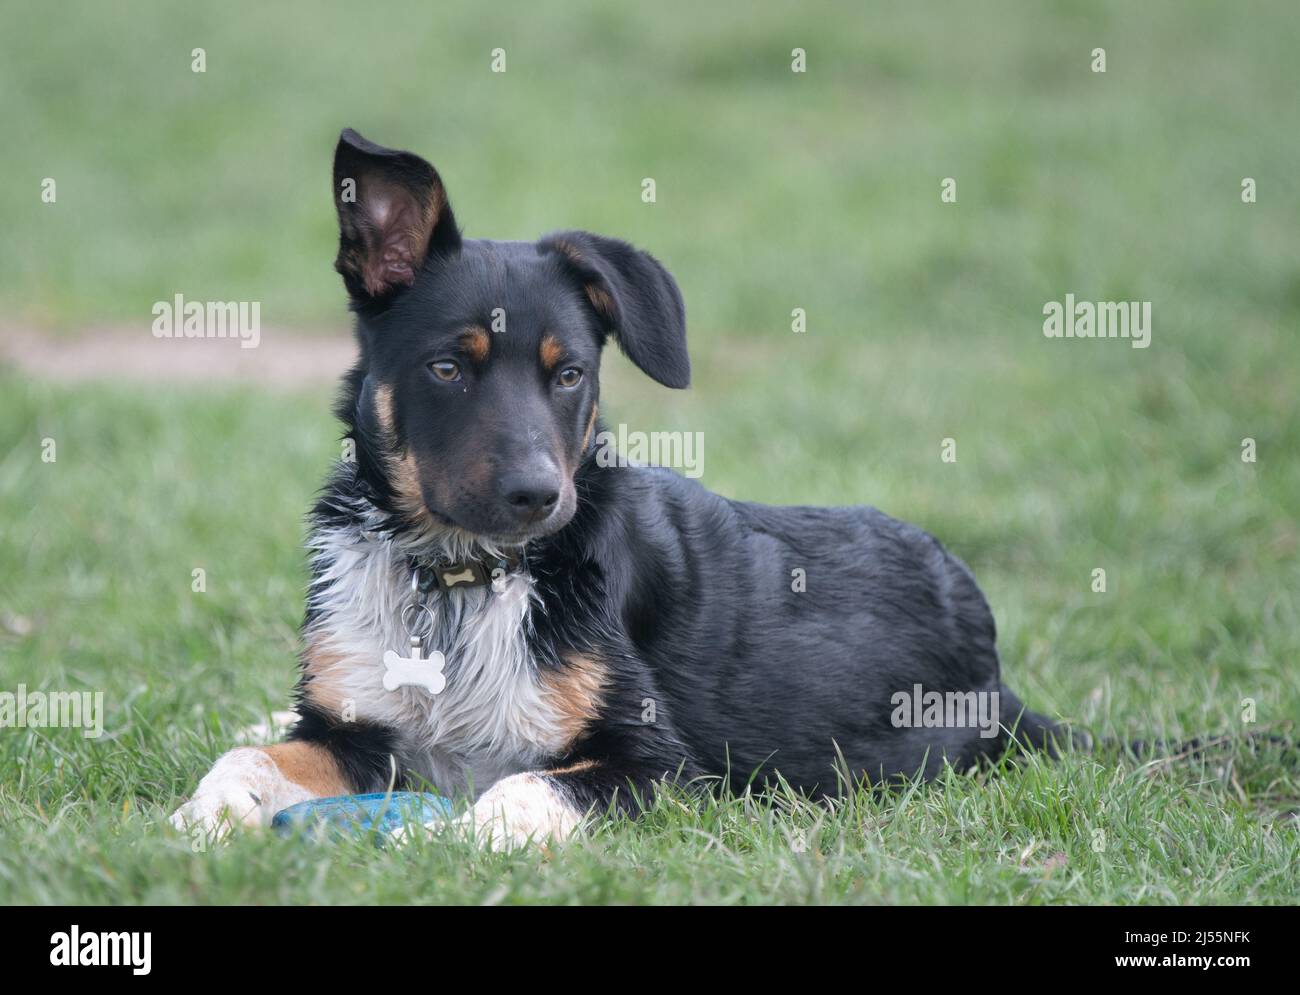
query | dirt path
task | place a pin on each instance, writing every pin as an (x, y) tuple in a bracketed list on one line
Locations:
[(282, 359)]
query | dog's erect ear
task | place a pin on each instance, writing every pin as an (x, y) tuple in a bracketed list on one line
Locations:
[(393, 211), (634, 297)]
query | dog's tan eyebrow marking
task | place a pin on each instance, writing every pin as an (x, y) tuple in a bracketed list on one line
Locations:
[(476, 342), (551, 351)]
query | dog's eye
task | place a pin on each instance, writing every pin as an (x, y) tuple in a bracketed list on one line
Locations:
[(570, 376), (445, 369)]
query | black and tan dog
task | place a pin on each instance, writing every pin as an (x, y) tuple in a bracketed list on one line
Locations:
[(583, 630)]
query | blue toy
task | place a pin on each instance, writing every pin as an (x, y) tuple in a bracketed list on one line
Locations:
[(357, 815)]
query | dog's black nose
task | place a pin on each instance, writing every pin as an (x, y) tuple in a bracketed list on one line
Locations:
[(532, 497)]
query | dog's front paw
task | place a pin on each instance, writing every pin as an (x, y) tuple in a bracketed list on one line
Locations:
[(244, 788), (521, 811), (216, 813)]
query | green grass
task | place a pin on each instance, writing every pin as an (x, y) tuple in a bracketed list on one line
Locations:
[(775, 192)]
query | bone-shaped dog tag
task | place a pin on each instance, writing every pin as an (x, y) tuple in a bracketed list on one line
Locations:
[(469, 574), (415, 670)]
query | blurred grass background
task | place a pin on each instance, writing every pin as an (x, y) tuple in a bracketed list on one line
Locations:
[(775, 191), (819, 189)]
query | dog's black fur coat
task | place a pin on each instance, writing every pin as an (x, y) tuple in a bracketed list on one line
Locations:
[(685, 597)]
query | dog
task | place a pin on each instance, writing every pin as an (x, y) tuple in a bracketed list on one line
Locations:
[(599, 630)]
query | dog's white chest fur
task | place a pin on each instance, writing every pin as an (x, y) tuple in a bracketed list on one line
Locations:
[(492, 718)]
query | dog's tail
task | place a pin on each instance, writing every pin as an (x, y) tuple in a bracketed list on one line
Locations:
[(1029, 732)]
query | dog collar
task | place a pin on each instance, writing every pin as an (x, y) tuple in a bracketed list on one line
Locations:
[(463, 573)]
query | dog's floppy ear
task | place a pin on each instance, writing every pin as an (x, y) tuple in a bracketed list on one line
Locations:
[(393, 211), (635, 299)]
